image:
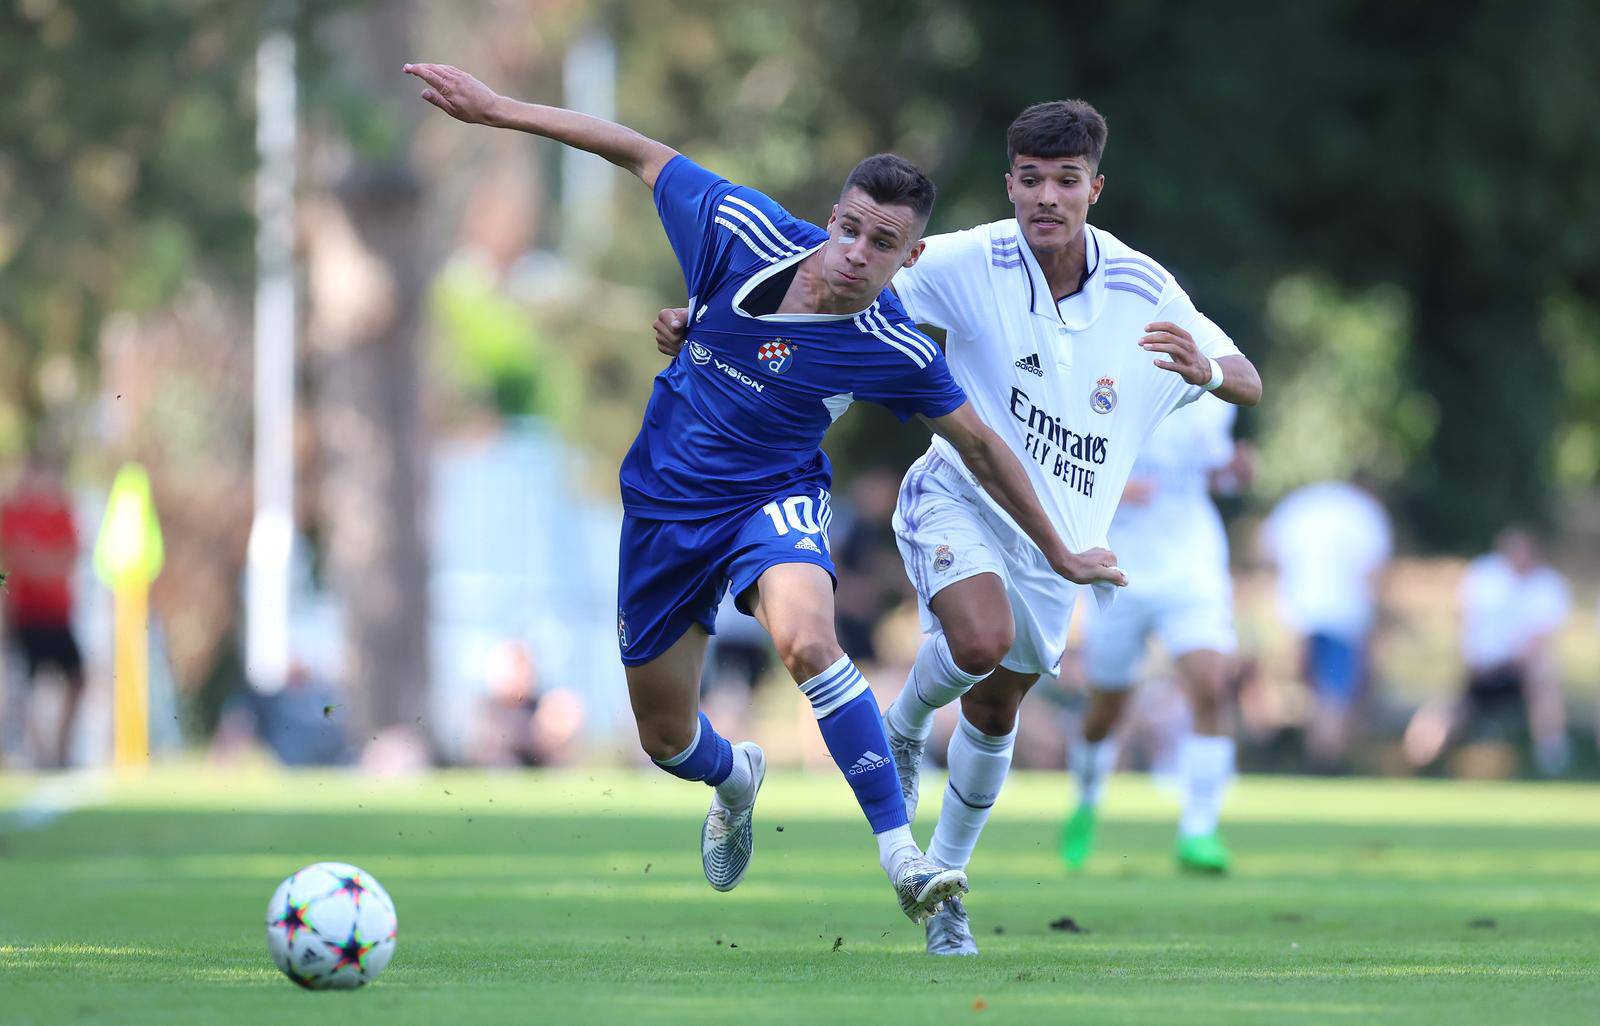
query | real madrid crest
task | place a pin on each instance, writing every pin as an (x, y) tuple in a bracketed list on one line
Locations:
[(777, 354), (943, 558), (1104, 397)]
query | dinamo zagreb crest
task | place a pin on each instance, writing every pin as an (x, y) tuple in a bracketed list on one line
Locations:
[(777, 355)]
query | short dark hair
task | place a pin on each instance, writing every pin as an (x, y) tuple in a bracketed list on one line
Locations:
[(1060, 128), (894, 180)]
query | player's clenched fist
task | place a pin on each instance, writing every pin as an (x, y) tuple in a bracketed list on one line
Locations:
[(1091, 566), (672, 326), (456, 93)]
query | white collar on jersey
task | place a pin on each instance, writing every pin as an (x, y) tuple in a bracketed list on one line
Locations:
[(1039, 295), (789, 318)]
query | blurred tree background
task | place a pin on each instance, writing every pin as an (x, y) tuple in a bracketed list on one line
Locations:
[(1390, 206)]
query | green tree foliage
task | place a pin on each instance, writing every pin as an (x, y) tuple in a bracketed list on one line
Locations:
[(1443, 149), (128, 151)]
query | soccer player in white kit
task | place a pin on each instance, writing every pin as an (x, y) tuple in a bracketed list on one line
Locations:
[(1072, 346), (1169, 539)]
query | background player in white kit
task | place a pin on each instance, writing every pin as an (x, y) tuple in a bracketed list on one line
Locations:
[(1072, 347), (1169, 539)]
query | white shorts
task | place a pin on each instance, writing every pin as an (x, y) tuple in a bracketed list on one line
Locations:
[(947, 533), (1185, 620)]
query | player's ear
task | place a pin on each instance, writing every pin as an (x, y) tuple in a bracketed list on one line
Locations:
[(1008, 188), (833, 215), (916, 253), (1094, 190)]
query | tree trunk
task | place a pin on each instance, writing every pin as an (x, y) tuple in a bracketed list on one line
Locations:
[(364, 242)]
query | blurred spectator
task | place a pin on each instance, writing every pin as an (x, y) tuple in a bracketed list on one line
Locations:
[(737, 660), (303, 724), (39, 546), (1512, 605), (872, 576), (519, 724), (1330, 542)]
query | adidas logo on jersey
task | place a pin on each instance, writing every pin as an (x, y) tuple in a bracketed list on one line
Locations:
[(808, 545), (1030, 364), (869, 760)]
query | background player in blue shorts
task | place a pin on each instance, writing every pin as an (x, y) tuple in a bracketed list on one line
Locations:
[(726, 484)]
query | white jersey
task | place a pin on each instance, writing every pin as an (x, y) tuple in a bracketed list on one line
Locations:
[(1503, 612), (1329, 540), (1174, 539), (1065, 384)]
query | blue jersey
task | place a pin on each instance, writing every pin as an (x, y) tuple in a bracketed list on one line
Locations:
[(738, 417)]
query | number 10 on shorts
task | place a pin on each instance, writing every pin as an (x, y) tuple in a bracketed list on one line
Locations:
[(798, 513)]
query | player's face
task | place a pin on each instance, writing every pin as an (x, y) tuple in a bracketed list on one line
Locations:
[(1052, 197), (867, 243)]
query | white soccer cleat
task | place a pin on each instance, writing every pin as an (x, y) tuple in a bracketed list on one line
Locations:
[(727, 839), (949, 932), (922, 884), (907, 754)]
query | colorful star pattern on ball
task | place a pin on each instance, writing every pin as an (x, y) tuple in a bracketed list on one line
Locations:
[(352, 886), (352, 952), (293, 919)]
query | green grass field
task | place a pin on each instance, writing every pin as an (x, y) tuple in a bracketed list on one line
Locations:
[(577, 898)]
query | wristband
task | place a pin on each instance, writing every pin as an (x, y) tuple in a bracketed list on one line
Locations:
[(1216, 377)]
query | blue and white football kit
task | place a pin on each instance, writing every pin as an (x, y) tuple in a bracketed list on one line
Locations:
[(727, 477)]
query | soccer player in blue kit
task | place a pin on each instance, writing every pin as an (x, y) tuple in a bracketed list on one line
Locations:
[(726, 484)]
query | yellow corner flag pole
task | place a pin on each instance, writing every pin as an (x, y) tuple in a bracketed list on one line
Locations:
[(128, 554)]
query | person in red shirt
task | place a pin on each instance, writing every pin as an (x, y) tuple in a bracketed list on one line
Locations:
[(39, 546)]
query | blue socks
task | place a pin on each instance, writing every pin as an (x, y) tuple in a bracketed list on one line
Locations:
[(853, 730), (709, 756)]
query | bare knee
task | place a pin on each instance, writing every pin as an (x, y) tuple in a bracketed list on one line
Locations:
[(663, 737), (978, 648), (806, 648), (993, 710), (1208, 693), (1104, 712)]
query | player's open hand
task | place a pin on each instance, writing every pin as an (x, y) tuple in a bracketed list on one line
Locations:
[(1187, 361), (1092, 566), (672, 327), (455, 92)]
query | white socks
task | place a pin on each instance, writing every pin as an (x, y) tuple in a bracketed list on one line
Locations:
[(1093, 762), (1206, 765), (894, 848), (935, 682), (738, 790), (978, 766)]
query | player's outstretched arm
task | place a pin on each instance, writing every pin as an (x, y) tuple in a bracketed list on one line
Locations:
[(1000, 472), (465, 98), (1239, 384)]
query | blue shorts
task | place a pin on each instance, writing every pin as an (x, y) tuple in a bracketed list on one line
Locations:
[(1335, 667), (672, 574)]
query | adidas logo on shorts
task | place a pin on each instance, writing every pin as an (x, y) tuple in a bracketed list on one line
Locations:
[(869, 760), (1030, 364), (808, 545)]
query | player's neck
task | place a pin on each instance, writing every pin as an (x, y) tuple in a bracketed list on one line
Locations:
[(1063, 267), (808, 293)]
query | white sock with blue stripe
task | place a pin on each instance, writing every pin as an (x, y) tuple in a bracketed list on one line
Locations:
[(979, 763), (934, 682)]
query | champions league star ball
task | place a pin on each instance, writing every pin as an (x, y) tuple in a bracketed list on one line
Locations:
[(331, 927)]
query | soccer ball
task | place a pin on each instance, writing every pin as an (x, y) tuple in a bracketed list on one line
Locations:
[(331, 927)]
